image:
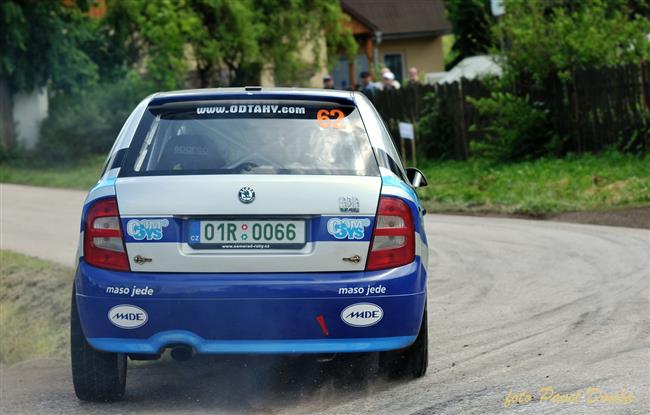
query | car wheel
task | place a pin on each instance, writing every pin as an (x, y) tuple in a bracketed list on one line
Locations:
[(97, 376), (411, 362)]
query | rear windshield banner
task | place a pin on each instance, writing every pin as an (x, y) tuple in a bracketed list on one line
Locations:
[(251, 109), (308, 111)]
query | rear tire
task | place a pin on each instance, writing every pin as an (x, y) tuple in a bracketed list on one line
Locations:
[(411, 362), (97, 376)]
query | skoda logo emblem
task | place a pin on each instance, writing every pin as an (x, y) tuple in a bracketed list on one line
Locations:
[(246, 194)]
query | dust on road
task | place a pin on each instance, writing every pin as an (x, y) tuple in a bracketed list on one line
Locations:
[(514, 307)]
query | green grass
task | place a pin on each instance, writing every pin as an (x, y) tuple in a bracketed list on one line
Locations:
[(582, 183), (34, 308), (81, 175)]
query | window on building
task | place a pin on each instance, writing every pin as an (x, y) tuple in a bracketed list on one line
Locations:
[(394, 61)]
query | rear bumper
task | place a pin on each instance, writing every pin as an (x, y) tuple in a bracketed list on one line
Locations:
[(158, 342), (251, 313)]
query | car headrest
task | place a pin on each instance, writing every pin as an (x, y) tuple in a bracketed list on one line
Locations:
[(190, 152)]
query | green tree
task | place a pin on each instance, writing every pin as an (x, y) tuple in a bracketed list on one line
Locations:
[(471, 22), (40, 45), (150, 35), (547, 40), (240, 38), (250, 35), (290, 26), (229, 36), (556, 38)]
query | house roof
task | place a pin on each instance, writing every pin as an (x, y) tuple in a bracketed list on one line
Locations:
[(400, 19)]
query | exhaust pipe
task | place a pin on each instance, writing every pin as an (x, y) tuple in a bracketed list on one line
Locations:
[(182, 353)]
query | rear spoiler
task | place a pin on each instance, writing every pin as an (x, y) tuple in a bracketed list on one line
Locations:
[(338, 98)]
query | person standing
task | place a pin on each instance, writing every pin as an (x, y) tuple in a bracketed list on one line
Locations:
[(366, 86), (395, 84), (388, 81), (414, 79), (328, 82)]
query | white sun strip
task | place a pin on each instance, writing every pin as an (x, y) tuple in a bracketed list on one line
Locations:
[(147, 143)]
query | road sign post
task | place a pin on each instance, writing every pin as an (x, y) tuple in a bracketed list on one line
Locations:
[(407, 132)]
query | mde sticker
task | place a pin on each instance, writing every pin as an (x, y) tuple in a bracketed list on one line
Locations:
[(127, 316), (348, 228), (362, 314), (146, 229)]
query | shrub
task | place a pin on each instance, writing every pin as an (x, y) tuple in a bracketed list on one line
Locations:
[(8, 154), (88, 122), (638, 138), (515, 129), (435, 130), (558, 37)]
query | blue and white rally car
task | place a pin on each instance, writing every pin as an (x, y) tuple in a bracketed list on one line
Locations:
[(250, 221)]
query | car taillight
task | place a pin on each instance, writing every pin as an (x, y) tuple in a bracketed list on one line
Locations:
[(393, 242), (103, 244)]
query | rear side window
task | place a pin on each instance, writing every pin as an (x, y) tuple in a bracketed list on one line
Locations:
[(251, 137)]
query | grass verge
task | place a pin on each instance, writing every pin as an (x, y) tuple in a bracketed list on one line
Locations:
[(82, 175), (34, 308), (602, 182), (587, 182)]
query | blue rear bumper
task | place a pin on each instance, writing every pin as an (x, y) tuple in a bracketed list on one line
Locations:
[(251, 313)]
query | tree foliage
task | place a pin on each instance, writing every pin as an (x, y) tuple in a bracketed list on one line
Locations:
[(291, 25), (40, 43), (155, 45), (518, 129), (471, 22), (557, 37), (56, 41), (87, 122), (546, 41), (435, 129), (224, 42)]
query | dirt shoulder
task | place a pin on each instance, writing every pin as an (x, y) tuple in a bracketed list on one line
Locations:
[(629, 217)]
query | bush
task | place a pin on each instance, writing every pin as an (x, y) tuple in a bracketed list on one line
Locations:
[(515, 129), (637, 139), (8, 154), (435, 130), (87, 123), (547, 38)]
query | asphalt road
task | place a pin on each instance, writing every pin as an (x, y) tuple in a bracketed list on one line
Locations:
[(514, 306), (40, 221)]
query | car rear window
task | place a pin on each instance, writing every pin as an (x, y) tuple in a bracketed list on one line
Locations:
[(251, 137)]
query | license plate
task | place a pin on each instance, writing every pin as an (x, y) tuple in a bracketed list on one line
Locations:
[(247, 234)]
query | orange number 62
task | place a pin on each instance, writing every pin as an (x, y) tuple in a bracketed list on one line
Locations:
[(325, 118)]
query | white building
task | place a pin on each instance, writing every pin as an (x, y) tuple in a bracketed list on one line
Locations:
[(30, 109)]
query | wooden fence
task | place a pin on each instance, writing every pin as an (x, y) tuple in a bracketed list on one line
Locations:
[(599, 108), (592, 110)]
